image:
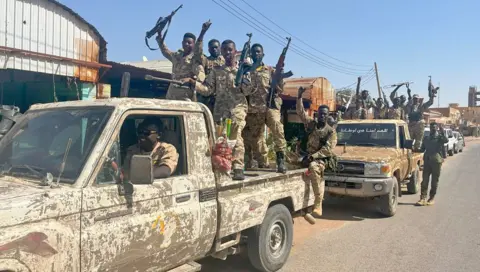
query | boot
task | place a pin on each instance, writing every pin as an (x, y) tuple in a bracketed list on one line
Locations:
[(317, 207), (421, 202), (431, 201), (238, 174), (8, 113), (281, 163)]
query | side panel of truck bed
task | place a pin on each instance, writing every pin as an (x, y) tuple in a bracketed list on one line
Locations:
[(243, 204)]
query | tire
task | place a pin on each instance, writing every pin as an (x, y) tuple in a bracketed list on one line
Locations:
[(388, 203), (414, 185), (262, 249), (450, 152), (455, 150)]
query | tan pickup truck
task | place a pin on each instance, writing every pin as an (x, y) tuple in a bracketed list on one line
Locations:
[(62, 208), (375, 159)]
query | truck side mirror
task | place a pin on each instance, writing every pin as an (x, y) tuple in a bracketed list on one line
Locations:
[(141, 169), (408, 144)]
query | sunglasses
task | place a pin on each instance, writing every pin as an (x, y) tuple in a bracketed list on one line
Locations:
[(146, 133)]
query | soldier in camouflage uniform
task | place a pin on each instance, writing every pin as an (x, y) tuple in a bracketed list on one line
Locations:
[(401, 102), (215, 59), (396, 112), (433, 159), (260, 114), (164, 155), (249, 134), (230, 101), (331, 122), (319, 147), (183, 67), (416, 124), (381, 109)]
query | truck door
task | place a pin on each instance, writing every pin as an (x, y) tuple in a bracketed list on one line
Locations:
[(407, 155), (157, 226)]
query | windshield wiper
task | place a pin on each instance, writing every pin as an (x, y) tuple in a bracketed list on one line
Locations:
[(28, 167)]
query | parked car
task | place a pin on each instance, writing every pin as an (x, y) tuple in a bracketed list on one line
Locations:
[(426, 133), (460, 141), (452, 141)]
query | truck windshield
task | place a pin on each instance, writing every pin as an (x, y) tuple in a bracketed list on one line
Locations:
[(367, 134), (43, 139)]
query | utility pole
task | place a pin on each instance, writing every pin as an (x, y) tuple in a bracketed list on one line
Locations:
[(438, 95), (378, 81)]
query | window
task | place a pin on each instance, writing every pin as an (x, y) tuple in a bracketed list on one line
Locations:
[(172, 132), (367, 134), (401, 134)]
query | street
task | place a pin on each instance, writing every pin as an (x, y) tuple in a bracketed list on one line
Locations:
[(353, 237)]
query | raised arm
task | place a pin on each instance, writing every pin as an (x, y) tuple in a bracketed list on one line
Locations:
[(300, 109), (198, 49), (163, 47), (394, 92)]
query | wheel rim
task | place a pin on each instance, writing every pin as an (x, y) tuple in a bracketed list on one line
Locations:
[(277, 234), (393, 199)]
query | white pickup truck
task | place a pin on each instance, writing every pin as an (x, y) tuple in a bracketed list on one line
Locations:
[(63, 209)]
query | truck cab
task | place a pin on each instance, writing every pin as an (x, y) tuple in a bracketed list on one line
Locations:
[(375, 159)]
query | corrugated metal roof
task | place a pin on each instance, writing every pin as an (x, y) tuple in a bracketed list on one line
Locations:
[(164, 66), (48, 37)]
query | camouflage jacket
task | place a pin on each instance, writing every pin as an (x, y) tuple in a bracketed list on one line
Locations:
[(380, 113), (321, 141), (396, 113), (261, 80), (433, 146), (221, 83), (415, 112), (207, 62), (163, 154), (183, 66)]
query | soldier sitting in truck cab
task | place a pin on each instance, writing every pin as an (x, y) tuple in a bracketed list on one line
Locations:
[(164, 155)]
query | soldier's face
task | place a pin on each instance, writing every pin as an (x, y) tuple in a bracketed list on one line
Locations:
[(434, 128), (396, 102), (380, 102), (415, 100), (214, 49), (322, 115), (188, 44), (257, 54), (228, 52), (147, 137), (364, 95), (403, 99)]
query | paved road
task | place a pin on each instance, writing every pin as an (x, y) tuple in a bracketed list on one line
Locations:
[(353, 237)]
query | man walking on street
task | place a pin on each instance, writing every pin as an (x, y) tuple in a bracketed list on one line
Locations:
[(260, 114), (183, 67), (433, 160)]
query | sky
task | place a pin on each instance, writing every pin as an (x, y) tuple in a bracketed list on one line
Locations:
[(409, 40)]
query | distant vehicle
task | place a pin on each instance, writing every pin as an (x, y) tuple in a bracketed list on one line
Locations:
[(426, 133), (460, 141), (452, 141)]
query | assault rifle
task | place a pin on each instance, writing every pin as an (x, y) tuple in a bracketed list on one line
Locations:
[(432, 91), (278, 76), (243, 68), (162, 22)]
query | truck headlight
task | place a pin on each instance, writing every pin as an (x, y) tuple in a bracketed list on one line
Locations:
[(375, 169)]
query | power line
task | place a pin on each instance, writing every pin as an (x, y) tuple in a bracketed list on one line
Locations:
[(281, 43), (299, 38), (330, 64), (367, 75)]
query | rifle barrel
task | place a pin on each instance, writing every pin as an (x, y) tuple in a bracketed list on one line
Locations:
[(150, 77)]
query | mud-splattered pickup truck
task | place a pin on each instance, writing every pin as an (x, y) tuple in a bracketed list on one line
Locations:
[(375, 159), (62, 208)]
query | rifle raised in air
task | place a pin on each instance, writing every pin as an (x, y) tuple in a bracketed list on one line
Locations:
[(159, 26), (242, 66), (278, 76), (432, 91)]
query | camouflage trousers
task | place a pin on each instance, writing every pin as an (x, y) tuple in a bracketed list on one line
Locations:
[(416, 129), (258, 151), (239, 115), (433, 169), (316, 169), (257, 122), (176, 92)]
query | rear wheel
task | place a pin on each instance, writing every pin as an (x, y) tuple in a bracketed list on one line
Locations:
[(413, 185), (455, 149), (269, 244), (450, 152), (389, 202)]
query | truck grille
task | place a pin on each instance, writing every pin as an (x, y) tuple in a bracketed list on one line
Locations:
[(350, 168)]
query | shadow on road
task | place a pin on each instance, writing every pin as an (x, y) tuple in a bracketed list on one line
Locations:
[(236, 263)]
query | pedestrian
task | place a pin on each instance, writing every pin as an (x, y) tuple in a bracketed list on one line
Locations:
[(260, 114), (215, 59), (433, 160), (416, 124), (183, 67), (320, 146), (231, 101)]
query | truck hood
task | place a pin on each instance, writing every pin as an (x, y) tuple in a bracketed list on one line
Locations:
[(366, 154), (22, 203)]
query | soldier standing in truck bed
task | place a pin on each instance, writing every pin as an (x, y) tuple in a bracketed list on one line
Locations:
[(261, 115), (416, 124), (396, 112), (320, 146), (183, 67), (249, 135), (230, 101), (433, 160), (215, 59)]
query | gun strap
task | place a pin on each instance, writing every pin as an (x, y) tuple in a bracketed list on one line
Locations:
[(163, 38)]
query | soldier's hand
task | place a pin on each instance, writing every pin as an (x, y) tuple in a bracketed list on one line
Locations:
[(408, 85), (301, 90), (188, 81), (206, 25)]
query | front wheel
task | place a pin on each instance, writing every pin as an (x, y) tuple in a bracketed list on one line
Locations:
[(413, 185), (269, 244), (455, 149), (389, 202)]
